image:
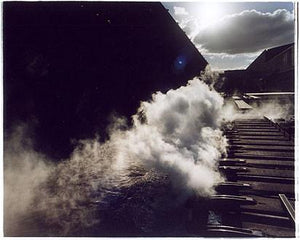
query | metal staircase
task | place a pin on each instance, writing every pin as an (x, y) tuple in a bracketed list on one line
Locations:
[(258, 199)]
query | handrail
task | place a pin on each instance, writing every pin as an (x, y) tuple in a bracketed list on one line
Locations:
[(234, 231), (279, 127), (233, 169), (288, 206), (231, 161), (235, 184), (233, 199), (232, 186)]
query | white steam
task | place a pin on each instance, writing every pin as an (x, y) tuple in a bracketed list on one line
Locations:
[(272, 109), (84, 179), (24, 171), (275, 109), (180, 136), (175, 134)]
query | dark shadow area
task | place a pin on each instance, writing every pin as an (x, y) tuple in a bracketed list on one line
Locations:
[(69, 65)]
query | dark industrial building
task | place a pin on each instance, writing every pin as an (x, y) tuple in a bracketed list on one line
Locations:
[(272, 70), (69, 65), (274, 60)]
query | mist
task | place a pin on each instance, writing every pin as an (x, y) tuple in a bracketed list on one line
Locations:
[(174, 136), (272, 109), (24, 172)]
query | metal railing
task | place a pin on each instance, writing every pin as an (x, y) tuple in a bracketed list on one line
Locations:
[(285, 133)]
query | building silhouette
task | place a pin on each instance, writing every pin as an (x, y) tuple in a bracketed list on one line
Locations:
[(69, 65), (272, 70)]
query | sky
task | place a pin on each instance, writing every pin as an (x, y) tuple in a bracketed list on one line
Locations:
[(232, 35)]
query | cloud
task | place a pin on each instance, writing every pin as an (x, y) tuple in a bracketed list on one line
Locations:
[(180, 11), (224, 61), (247, 32), (190, 26)]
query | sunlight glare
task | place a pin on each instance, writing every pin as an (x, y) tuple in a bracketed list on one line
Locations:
[(210, 13)]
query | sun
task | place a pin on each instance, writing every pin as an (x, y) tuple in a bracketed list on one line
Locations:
[(209, 13)]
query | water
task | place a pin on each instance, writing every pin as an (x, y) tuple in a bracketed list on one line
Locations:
[(142, 205)]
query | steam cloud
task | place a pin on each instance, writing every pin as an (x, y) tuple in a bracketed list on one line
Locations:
[(273, 109), (24, 171), (175, 134), (180, 136)]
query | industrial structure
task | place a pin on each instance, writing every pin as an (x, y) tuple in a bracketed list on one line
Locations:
[(261, 161), (260, 170), (274, 60), (272, 70)]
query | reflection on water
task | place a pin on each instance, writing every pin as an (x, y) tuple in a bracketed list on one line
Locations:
[(143, 205)]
